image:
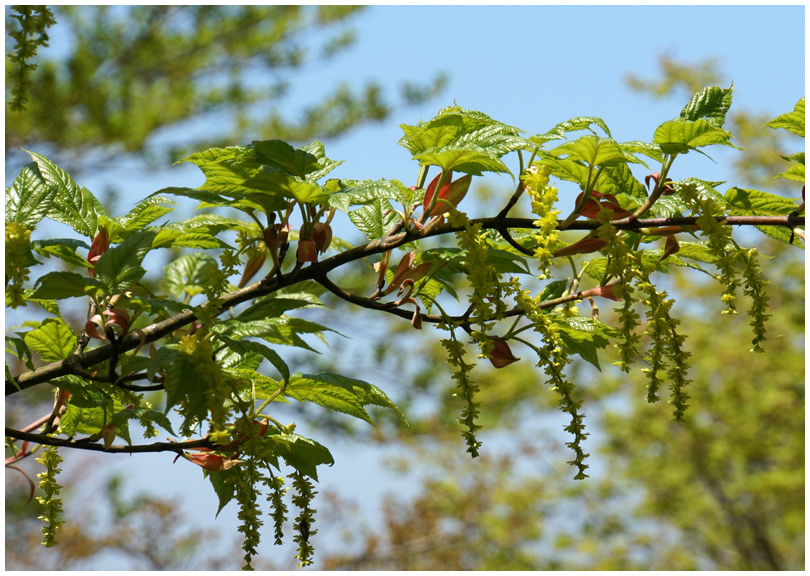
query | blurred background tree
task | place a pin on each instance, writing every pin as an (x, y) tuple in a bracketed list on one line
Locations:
[(134, 80)]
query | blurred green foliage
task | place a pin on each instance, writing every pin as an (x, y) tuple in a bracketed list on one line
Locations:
[(126, 73)]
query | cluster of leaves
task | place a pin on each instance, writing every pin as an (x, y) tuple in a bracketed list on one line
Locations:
[(221, 375)]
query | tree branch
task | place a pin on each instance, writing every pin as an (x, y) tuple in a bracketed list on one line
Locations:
[(176, 447), (318, 272)]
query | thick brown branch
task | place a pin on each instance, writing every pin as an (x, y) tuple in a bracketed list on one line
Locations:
[(270, 285)]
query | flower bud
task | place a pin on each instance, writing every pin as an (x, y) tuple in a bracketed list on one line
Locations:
[(501, 354), (276, 236), (322, 236)]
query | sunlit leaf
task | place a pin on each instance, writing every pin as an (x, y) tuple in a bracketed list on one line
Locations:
[(71, 204), (711, 103), (59, 285), (679, 136), (791, 121), (54, 340), (120, 266)]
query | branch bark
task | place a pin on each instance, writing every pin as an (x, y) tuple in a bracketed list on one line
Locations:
[(318, 272)]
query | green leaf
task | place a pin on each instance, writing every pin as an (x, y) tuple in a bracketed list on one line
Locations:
[(782, 234), (434, 134), (29, 198), (164, 356), (120, 266), (649, 149), (53, 340), (553, 290), (272, 307), (679, 136), (581, 123), (428, 290), (243, 347), (71, 204), (744, 202), (711, 103), (583, 337), (375, 219), (494, 140), (49, 306), (84, 394), (795, 173), (191, 274), (592, 150), (619, 180), (283, 330), (160, 306), (467, 159), (59, 285), (181, 381), (64, 249), (133, 363), (366, 191), (142, 414), (325, 165), (301, 453), (146, 212), (463, 140), (199, 241), (699, 251), (20, 350), (670, 206), (92, 420), (228, 169), (273, 181), (204, 196), (308, 162), (792, 121), (504, 262), (338, 393), (596, 268), (224, 483)]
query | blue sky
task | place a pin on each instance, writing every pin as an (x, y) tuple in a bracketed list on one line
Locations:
[(529, 66)]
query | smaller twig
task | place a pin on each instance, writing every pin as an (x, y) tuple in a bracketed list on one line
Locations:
[(512, 201), (83, 444), (504, 232)]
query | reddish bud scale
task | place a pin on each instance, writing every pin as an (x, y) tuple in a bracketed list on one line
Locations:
[(307, 251), (584, 246), (405, 270), (253, 266), (101, 243), (603, 291), (502, 354), (212, 462), (450, 195), (322, 236), (667, 190), (597, 201)]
